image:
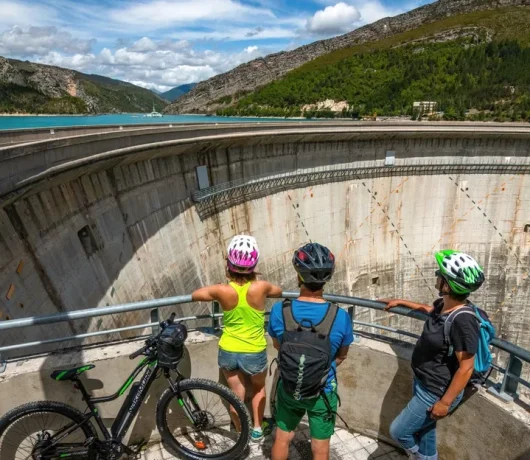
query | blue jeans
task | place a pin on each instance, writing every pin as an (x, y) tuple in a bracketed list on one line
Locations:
[(414, 429), (249, 363)]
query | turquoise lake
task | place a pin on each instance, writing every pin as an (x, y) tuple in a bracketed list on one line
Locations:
[(19, 122)]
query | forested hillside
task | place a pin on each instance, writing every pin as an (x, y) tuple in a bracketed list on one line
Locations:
[(493, 78)]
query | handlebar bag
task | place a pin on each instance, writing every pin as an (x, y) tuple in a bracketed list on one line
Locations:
[(171, 345)]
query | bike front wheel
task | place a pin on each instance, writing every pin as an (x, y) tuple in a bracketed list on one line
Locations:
[(44, 429), (209, 434)]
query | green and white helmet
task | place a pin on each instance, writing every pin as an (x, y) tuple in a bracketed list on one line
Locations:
[(463, 274)]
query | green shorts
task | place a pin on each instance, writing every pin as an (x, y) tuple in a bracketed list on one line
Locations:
[(289, 413)]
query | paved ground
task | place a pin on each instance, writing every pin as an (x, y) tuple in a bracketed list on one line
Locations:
[(344, 445)]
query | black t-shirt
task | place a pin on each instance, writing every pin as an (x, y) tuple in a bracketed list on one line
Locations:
[(430, 363)]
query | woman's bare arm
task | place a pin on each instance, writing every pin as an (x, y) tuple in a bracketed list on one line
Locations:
[(206, 294), (392, 303), (273, 291)]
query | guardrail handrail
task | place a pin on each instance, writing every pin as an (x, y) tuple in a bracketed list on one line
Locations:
[(504, 345), (199, 195), (514, 350)]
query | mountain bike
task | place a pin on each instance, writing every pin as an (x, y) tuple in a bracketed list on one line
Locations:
[(190, 427)]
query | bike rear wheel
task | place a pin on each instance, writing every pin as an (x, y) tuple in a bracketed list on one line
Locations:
[(212, 436), (29, 428)]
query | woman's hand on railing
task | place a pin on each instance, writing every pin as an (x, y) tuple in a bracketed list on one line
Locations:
[(393, 303)]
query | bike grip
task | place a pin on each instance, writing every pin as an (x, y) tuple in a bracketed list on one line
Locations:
[(137, 353)]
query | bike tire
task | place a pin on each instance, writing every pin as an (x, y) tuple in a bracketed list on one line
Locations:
[(206, 385), (43, 407)]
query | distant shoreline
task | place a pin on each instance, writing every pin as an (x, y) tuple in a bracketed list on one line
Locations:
[(48, 115), (64, 114)]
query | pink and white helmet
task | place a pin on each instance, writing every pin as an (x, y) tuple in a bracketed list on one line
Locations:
[(243, 254)]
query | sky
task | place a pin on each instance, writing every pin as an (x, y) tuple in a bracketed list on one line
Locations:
[(160, 44)]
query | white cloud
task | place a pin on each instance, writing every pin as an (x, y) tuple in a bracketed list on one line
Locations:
[(156, 14), (20, 13), (372, 10), (334, 20), (146, 64), (237, 33), (38, 41)]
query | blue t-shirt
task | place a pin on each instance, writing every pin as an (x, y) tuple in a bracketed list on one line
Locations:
[(341, 333)]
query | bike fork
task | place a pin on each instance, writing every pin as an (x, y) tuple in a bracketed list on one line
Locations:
[(182, 401)]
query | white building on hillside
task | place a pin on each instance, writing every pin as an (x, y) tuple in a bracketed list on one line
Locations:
[(425, 107)]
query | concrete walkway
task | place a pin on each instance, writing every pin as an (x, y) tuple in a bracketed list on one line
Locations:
[(344, 445)]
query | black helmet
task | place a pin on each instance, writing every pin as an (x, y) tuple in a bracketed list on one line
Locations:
[(314, 263)]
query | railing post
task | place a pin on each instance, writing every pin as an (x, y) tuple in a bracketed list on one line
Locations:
[(3, 364), (507, 390), (351, 314), (155, 318), (515, 367), (216, 308)]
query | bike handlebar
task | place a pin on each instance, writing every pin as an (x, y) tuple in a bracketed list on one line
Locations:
[(137, 353), (149, 341)]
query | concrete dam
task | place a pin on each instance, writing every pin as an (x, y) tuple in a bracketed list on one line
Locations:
[(94, 217)]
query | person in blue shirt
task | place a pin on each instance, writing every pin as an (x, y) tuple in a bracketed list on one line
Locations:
[(314, 265)]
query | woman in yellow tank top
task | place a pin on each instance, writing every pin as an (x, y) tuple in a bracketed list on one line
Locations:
[(243, 348)]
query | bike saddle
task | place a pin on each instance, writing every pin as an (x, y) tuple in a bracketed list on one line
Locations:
[(70, 374)]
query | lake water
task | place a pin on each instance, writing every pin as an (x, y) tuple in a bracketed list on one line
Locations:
[(7, 122)]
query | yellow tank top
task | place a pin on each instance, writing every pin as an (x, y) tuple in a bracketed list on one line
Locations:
[(244, 330)]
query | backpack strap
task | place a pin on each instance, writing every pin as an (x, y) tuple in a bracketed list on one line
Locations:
[(324, 327), (467, 310), (289, 323)]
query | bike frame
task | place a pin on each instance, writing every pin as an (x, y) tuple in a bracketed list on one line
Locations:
[(127, 412)]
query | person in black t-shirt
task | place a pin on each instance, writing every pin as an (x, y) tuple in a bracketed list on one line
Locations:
[(439, 376)]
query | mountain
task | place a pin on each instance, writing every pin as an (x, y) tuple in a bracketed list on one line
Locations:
[(173, 94), (467, 77), (231, 86), (26, 87)]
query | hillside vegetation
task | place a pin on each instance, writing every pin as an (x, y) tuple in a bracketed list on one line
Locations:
[(477, 61), (27, 87)]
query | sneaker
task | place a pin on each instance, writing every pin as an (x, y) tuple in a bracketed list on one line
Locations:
[(266, 429), (267, 426), (256, 435)]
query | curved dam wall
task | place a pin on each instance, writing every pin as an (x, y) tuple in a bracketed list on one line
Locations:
[(120, 226)]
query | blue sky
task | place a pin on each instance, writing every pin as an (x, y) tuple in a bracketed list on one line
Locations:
[(160, 44)]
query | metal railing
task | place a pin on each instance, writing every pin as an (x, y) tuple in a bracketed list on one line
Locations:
[(341, 170), (218, 197), (506, 389)]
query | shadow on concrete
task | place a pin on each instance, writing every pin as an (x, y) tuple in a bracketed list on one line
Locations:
[(391, 407)]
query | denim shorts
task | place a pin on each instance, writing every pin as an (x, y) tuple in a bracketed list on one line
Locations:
[(249, 363)]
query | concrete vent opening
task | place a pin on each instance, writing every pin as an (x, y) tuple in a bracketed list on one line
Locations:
[(527, 228), (375, 280), (87, 240)]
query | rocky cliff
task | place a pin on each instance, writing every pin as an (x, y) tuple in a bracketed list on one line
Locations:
[(26, 87), (259, 72)]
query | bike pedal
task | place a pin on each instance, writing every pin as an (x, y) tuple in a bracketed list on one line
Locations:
[(140, 447)]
